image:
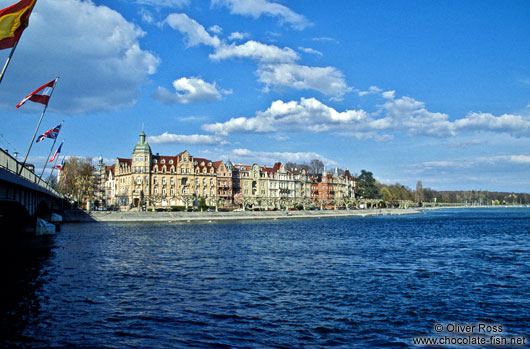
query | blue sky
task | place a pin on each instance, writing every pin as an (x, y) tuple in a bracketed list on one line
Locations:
[(410, 90)]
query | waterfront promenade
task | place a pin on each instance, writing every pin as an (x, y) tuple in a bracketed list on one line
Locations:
[(135, 216)]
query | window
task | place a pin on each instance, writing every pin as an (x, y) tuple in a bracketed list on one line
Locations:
[(163, 180), (138, 180), (172, 181), (155, 191), (164, 191), (155, 180), (172, 191)]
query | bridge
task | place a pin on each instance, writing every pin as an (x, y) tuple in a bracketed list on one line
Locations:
[(24, 196)]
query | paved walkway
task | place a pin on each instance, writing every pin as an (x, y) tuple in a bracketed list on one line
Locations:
[(132, 216)]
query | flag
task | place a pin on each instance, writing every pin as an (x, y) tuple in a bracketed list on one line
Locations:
[(60, 166), (13, 20), (64, 175), (56, 152), (40, 95), (51, 133)]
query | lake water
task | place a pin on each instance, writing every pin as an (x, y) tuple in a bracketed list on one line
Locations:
[(345, 282)]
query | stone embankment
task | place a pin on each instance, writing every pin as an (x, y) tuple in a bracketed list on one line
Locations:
[(135, 216)]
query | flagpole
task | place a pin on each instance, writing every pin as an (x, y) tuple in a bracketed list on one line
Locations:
[(37, 129), (53, 168), (48, 158), (8, 60)]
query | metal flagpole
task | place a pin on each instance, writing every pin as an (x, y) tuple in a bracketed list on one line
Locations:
[(37, 129), (53, 168), (48, 158), (8, 60)]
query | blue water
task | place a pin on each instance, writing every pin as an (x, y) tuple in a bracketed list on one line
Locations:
[(345, 282)]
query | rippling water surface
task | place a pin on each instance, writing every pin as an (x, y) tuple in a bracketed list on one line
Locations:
[(347, 282)]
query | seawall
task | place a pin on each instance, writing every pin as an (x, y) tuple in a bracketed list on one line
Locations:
[(135, 216)]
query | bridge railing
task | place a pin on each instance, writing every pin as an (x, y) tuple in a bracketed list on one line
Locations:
[(12, 165)]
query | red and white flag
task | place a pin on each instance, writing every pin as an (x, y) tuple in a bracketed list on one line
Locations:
[(40, 95)]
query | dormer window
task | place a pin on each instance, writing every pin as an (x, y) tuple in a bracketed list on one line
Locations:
[(171, 162), (202, 163), (163, 161)]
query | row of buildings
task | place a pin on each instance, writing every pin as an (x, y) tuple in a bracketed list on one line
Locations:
[(154, 180)]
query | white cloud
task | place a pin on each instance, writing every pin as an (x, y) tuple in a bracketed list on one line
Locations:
[(404, 115), (327, 80), (515, 125), (276, 67), (255, 50), (410, 116), (101, 66), (195, 139), (326, 39), (310, 50), (194, 32), (372, 90), (165, 3), (257, 8), (236, 36), (263, 157), (190, 90), (216, 29), (307, 115)]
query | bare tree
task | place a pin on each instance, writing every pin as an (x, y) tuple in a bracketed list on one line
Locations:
[(316, 167), (80, 180), (419, 192)]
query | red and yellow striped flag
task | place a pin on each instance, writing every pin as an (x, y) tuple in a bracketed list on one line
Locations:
[(13, 20)]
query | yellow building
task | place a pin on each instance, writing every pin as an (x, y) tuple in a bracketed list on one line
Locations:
[(157, 181)]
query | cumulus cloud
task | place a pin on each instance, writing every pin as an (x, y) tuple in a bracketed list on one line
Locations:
[(403, 115), (236, 36), (372, 90), (263, 157), (306, 115), (101, 66), (194, 32), (216, 29), (276, 66), (195, 139), (258, 8), (515, 125), (310, 50), (255, 50), (327, 80), (190, 90), (165, 3)]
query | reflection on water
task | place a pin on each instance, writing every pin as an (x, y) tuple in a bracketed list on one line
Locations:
[(373, 281)]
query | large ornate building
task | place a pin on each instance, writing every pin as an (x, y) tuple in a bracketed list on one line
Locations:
[(154, 181)]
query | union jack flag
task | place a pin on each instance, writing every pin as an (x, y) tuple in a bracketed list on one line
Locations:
[(51, 133)]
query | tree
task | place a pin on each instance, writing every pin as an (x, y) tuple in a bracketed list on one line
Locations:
[(80, 180), (316, 167), (419, 192), (367, 187)]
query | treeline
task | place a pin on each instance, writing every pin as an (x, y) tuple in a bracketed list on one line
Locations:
[(369, 188)]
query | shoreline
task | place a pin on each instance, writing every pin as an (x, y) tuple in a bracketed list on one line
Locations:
[(209, 217), (188, 217)]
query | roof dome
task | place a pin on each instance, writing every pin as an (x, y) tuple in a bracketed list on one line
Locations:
[(142, 147)]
